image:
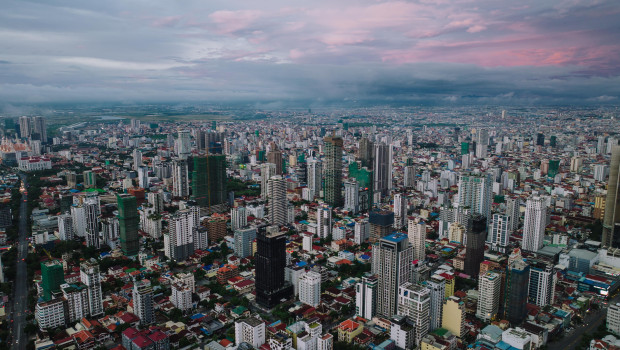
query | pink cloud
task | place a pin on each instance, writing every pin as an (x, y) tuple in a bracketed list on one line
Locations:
[(228, 22)]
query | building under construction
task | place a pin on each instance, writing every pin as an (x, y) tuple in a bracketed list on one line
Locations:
[(209, 182)]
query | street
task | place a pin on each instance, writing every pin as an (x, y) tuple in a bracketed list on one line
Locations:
[(20, 291)]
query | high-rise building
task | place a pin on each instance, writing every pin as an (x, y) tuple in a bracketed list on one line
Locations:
[(534, 224), (128, 222), (541, 286), (409, 176), (352, 196), (243, 241), (476, 192), (414, 301), (90, 179), (89, 275), (513, 211), (391, 262), (183, 144), (449, 216), (333, 171), (267, 170), (540, 139), (238, 218), (489, 285), (437, 287), (310, 288), (181, 296), (365, 152), (416, 232), (500, 232), (381, 224), (250, 330), (361, 231), (143, 176), (366, 297), (25, 127), (270, 261), (453, 318), (275, 157), (156, 200), (277, 205), (516, 292), (400, 210), (91, 211), (611, 222), (65, 227), (52, 276), (315, 176), (382, 168), (475, 246), (137, 158), (209, 180), (143, 305), (324, 221), (180, 179), (613, 318), (179, 241), (402, 332), (78, 217), (456, 233), (600, 172)]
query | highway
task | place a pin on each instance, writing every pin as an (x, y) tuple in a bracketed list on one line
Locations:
[(20, 291)]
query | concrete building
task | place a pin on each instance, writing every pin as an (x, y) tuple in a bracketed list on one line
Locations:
[(238, 218), (489, 285), (310, 288), (143, 305), (453, 316), (391, 262), (250, 330), (90, 277), (278, 205), (243, 241), (414, 301), (611, 222), (366, 297), (534, 224), (181, 296)]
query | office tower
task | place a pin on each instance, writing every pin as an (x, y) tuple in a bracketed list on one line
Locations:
[(516, 292), (365, 152), (183, 146), (391, 262), (489, 285), (209, 180), (464, 148), (611, 222), (534, 224), (179, 241), (364, 177), (414, 301), (540, 139), (600, 172), (382, 168), (437, 287), (333, 171), (90, 179), (475, 246), (449, 216), (65, 227), (143, 305), (250, 330), (128, 223), (78, 217), (402, 332), (270, 260), (500, 233), (416, 232), (456, 233), (324, 221), (352, 196), (89, 275), (315, 177), (310, 288), (366, 297), (554, 167), (409, 176), (243, 241), (513, 211), (381, 223), (238, 218), (453, 316), (541, 287), (25, 127), (400, 210), (137, 159), (275, 157), (91, 211), (267, 170), (361, 231), (143, 176), (52, 276), (277, 205), (156, 200), (476, 192), (180, 179), (553, 141)]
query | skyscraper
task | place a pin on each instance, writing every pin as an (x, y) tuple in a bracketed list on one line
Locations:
[(365, 152), (324, 221), (409, 176), (65, 227), (611, 222), (89, 275), (128, 221), (381, 224), (315, 176), (516, 293), (184, 146), (275, 157), (489, 285), (52, 276), (180, 179), (366, 297), (179, 240), (400, 210), (333, 171), (310, 288), (476, 192), (414, 301), (25, 127), (475, 246), (382, 168), (143, 305), (541, 286), (351, 196), (91, 210), (534, 224), (437, 287), (278, 205), (270, 260), (209, 180), (500, 232), (416, 231), (391, 262), (243, 241), (513, 211), (238, 218), (267, 170)]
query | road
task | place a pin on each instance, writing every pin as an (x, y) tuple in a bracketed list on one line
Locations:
[(20, 291)]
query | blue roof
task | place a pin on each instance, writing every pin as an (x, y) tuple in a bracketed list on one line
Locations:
[(364, 256), (396, 237), (199, 315), (302, 263), (74, 191)]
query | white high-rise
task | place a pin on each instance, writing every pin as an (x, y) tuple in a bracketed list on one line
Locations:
[(238, 218), (310, 288), (315, 175), (400, 210), (324, 221), (391, 262), (488, 302), (366, 297), (476, 192), (184, 146), (92, 224), (278, 205), (181, 296), (143, 176), (437, 287), (65, 227), (250, 330), (179, 241), (267, 170), (416, 233), (414, 301), (534, 224), (180, 179), (499, 234), (137, 159), (89, 275), (351, 196), (143, 305), (78, 216), (361, 231)]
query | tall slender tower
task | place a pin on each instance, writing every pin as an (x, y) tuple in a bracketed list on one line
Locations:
[(611, 222), (475, 246), (391, 261), (267, 170), (315, 176), (278, 205), (534, 224), (489, 285), (515, 296), (180, 179), (92, 224), (476, 192), (128, 221), (333, 171), (382, 168), (365, 152), (416, 231), (209, 180), (143, 301), (89, 275), (270, 260)]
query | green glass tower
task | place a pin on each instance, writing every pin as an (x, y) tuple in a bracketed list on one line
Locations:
[(364, 177), (333, 171), (464, 148), (52, 276), (128, 222), (209, 180), (554, 167)]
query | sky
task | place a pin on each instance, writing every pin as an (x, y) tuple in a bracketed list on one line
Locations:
[(313, 52)]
